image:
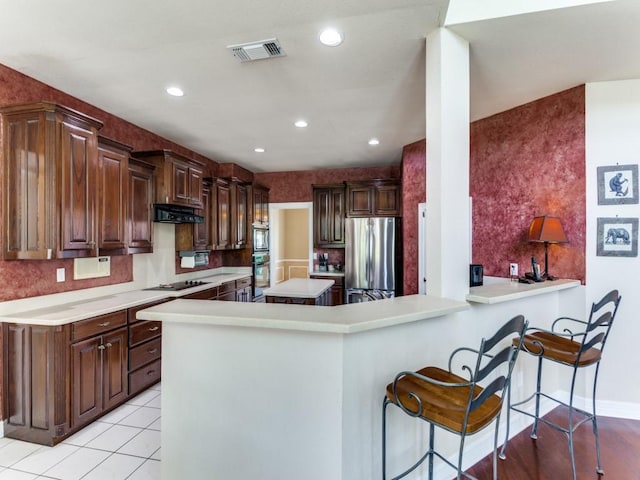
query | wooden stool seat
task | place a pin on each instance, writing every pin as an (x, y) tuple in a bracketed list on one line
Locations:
[(445, 405), (560, 349)]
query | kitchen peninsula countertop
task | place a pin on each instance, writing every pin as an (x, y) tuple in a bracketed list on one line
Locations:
[(506, 290), (344, 319), (92, 307)]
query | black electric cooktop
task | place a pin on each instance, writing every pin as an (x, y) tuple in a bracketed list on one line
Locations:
[(175, 286)]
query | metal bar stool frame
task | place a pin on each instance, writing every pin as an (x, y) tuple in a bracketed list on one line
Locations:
[(582, 354), (477, 396)]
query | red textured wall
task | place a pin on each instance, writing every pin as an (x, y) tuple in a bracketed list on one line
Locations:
[(413, 192), (526, 162), (21, 279), (297, 186)]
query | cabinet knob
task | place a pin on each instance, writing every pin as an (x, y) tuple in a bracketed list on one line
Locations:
[(101, 347), (104, 324), (151, 351), (109, 345), (153, 329)]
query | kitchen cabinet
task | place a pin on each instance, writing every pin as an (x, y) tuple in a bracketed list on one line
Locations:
[(145, 350), (140, 196), (221, 217), (178, 179), (337, 289), (99, 371), (374, 198), (59, 378), (197, 236), (239, 221), (328, 216), (260, 205), (113, 186), (50, 162), (208, 294), (235, 291), (243, 290)]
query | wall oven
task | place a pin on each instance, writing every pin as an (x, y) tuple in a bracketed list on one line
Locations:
[(260, 239), (261, 279)]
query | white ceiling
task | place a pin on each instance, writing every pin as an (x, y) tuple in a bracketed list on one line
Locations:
[(120, 55)]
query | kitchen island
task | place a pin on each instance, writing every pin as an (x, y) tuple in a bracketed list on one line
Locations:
[(275, 391), (301, 291)]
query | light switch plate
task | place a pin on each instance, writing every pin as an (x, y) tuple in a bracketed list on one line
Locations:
[(60, 275)]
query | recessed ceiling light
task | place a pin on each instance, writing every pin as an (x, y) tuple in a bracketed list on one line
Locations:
[(374, 141), (301, 124), (330, 37), (175, 91), (258, 150)]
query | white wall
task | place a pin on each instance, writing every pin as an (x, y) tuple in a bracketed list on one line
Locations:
[(613, 137)]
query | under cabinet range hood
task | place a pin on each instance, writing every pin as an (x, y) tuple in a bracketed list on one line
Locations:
[(169, 213)]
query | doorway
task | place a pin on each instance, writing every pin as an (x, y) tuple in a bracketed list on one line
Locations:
[(291, 227)]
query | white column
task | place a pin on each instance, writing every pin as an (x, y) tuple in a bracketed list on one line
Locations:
[(447, 106)]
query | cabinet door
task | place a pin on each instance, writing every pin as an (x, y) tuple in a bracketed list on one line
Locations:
[(78, 190), (195, 186), (240, 217), (86, 380), (139, 208), (260, 205), (114, 368), (223, 217), (328, 217), (181, 183), (202, 231), (112, 196), (359, 201), (387, 201)]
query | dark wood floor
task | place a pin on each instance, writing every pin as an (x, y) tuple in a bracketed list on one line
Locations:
[(547, 458)]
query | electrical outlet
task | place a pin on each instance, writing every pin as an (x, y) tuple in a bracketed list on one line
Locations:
[(513, 269), (60, 274), (315, 255)]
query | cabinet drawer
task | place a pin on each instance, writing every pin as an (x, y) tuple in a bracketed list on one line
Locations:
[(97, 325), (131, 312), (143, 331), (145, 353), (210, 293), (144, 376), (243, 283), (226, 287)]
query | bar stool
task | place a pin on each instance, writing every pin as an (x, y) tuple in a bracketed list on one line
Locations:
[(459, 404), (576, 344)]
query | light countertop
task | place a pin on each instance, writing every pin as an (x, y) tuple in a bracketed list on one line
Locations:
[(344, 319), (299, 288), (80, 310), (327, 274), (506, 290)]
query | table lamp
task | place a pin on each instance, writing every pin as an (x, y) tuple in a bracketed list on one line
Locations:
[(547, 229)]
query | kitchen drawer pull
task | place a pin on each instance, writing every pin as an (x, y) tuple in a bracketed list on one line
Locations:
[(104, 324), (153, 329), (151, 351), (151, 373)]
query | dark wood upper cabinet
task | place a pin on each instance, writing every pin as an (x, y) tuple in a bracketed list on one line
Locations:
[(197, 236), (222, 214), (239, 215), (113, 187), (374, 198), (260, 205), (328, 216), (50, 162), (140, 207), (178, 178)]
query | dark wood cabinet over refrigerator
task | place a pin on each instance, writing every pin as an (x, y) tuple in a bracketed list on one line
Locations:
[(328, 216)]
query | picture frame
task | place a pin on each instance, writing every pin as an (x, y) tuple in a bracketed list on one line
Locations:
[(618, 185), (617, 237)]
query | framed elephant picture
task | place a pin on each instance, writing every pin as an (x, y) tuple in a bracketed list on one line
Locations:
[(617, 237), (618, 185)]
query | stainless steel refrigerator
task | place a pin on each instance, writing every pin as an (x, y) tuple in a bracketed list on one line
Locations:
[(370, 258)]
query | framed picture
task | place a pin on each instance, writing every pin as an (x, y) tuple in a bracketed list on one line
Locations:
[(618, 184), (617, 237)]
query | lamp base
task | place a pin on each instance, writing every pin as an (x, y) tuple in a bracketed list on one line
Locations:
[(546, 276)]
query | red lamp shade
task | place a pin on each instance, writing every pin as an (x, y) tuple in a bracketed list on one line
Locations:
[(547, 229)]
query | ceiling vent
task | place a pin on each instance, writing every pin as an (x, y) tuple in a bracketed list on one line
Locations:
[(248, 52)]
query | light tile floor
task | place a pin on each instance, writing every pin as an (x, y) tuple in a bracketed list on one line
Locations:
[(124, 444)]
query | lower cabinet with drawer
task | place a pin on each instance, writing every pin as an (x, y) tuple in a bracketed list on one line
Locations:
[(145, 350), (59, 378)]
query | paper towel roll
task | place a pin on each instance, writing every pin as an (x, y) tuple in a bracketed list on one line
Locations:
[(188, 262)]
